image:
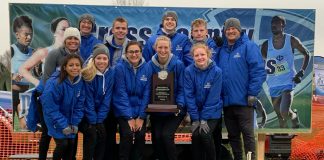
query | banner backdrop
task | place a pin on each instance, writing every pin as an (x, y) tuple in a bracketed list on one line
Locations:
[(144, 21)]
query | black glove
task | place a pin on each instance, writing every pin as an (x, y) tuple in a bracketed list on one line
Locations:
[(101, 130), (298, 76), (218, 40), (181, 111)]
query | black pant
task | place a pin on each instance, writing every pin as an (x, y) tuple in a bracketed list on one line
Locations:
[(217, 135), (45, 138), (64, 149), (203, 146), (239, 119), (93, 145), (163, 130), (111, 151), (130, 148)]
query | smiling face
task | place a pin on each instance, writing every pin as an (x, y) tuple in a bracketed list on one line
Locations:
[(101, 62), (232, 34), (199, 33), (72, 43), (85, 27), (169, 24), (201, 57), (134, 54), (119, 30), (73, 68), (163, 50), (24, 35)]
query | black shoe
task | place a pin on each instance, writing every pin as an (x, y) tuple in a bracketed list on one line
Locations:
[(295, 121)]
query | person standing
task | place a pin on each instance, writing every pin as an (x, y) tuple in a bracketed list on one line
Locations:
[(62, 100), (99, 77), (202, 86), (180, 44), (278, 52), (88, 40), (243, 74), (131, 97), (164, 125)]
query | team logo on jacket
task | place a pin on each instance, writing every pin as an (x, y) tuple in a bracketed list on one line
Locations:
[(237, 55), (207, 85), (178, 48), (143, 78), (78, 94)]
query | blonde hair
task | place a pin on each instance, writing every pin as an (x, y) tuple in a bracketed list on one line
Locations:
[(200, 45), (89, 72), (162, 38), (198, 22)]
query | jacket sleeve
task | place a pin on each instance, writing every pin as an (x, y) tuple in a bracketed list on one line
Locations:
[(51, 99), (189, 88), (180, 86), (78, 108), (148, 50), (147, 93), (257, 73), (120, 96), (105, 103), (32, 116), (90, 112), (213, 101)]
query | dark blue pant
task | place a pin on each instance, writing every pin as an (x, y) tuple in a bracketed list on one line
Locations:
[(64, 149), (111, 151), (163, 131), (239, 120)]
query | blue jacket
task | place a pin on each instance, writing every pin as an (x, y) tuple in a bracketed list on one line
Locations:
[(132, 90), (177, 67), (87, 44), (62, 104), (243, 71), (33, 116), (211, 44), (115, 51), (98, 97), (180, 47), (203, 92)]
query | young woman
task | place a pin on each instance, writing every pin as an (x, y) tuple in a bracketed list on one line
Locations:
[(58, 27), (130, 99), (203, 84), (63, 102), (99, 79), (164, 125)]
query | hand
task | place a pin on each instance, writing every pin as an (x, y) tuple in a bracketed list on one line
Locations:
[(17, 77), (68, 130), (251, 100), (138, 124), (194, 126), (298, 77), (181, 111), (75, 129), (204, 126), (101, 130), (131, 124)]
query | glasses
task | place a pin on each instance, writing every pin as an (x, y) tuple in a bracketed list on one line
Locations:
[(134, 51)]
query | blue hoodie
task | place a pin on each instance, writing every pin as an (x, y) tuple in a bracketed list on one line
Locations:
[(177, 67), (203, 92), (98, 97), (243, 71), (86, 46), (62, 104), (211, 44), (180, 47), (132, 90)]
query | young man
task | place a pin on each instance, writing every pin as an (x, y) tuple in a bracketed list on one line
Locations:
[(88, 40), (117, 42), (243, 74), (180, 42), (278, 53)]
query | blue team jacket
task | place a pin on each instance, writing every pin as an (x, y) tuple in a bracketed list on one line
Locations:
[(86, 46), (203, 92)]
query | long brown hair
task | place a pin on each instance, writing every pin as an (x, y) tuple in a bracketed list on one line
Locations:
[(63, 73)]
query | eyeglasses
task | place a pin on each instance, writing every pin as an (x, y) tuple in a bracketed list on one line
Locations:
[(134, 51)]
